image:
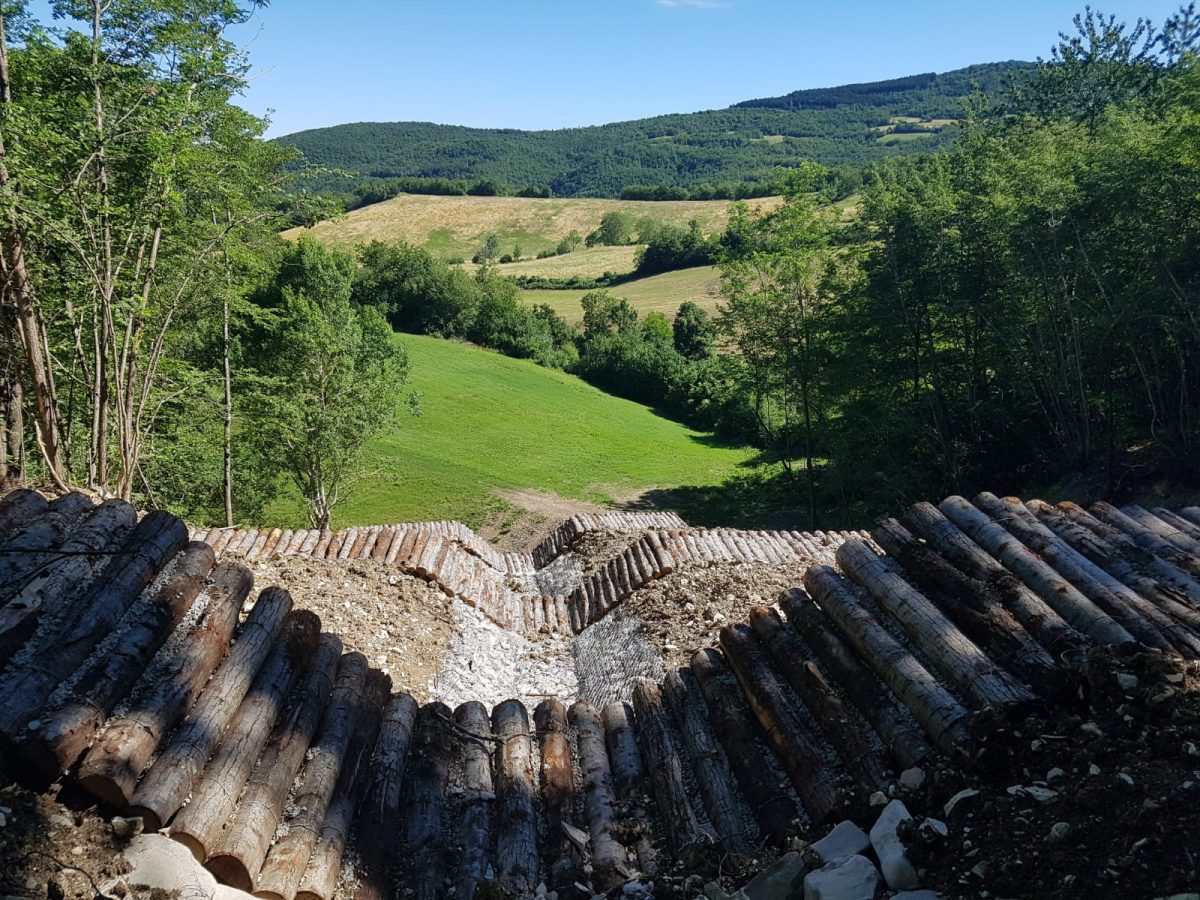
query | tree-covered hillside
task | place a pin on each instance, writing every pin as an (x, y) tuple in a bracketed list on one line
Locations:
[(746, 143), (935, 95)]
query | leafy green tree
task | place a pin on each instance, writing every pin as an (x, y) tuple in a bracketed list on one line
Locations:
[(694, 331), (490, 250), (779, 302), (330, 377), (656, 328), (569, 244), (605, 314), (416, 292), (128, 172), (1104, 62), (616, 229)]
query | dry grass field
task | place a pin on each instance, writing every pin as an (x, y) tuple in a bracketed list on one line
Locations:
[(663, 293), (457, 226), (588, 262)]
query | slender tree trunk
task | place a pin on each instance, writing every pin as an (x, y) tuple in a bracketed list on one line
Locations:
[(12, 456), (227, 481), (30, 328)]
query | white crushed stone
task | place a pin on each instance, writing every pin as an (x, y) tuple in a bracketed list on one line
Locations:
[(491, 664)]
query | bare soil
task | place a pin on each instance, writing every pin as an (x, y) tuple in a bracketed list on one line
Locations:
[(402, 624), (532, 516), (53, 849), (1125, 772), (596, 548), (685, 611)]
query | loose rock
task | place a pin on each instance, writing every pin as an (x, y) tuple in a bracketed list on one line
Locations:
[(958, 799), (849, 878), (898, 872), (846, 839)]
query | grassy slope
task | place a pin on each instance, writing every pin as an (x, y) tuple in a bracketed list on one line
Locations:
[(659, 292), (589, 262), (493, 422), (457, 226)]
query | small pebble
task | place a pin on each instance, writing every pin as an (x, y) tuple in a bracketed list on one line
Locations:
[(1058, 831)]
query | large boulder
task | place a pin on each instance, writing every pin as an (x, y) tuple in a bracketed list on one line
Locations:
[(158, 863), (846, 839), (848, 878)]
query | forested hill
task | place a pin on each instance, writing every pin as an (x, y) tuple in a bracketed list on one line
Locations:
[(745, 143), (934, 95)]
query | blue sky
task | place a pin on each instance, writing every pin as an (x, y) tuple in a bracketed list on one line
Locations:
[(558, 63)]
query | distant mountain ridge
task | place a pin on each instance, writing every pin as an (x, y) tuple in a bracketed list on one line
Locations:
[(924, 89), (748, 142)]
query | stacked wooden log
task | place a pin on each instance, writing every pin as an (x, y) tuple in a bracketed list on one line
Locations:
[(463, 565), (263, 747), (372, 542), (451, 558), (658, 553)]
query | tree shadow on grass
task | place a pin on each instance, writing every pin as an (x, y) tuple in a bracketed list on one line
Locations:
[(761, 496), (754, 498)]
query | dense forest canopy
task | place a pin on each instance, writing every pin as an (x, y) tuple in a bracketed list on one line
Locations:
[(745, 143)]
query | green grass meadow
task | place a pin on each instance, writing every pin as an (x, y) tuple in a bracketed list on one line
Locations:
[(490, 422)]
